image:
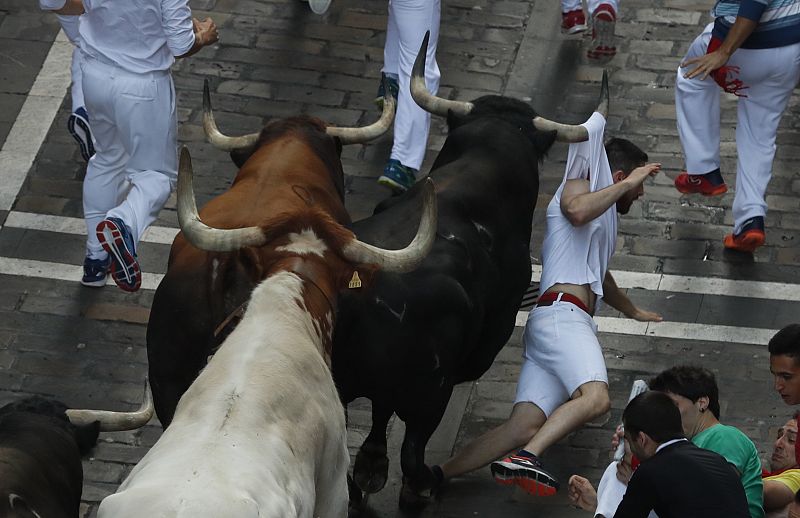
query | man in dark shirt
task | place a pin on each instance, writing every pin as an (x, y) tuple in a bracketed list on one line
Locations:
[(676, 479)]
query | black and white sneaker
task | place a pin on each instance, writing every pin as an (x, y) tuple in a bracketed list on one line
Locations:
[(78, 126), (525, 472)]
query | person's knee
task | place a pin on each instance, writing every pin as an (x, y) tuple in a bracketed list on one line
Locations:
[(595, 398)]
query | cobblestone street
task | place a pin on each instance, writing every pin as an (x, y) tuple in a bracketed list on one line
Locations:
[(276, 58)]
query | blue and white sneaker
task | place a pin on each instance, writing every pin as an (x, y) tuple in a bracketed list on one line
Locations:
[(116, 239), (95, 272), (397, 177), (78, 126)]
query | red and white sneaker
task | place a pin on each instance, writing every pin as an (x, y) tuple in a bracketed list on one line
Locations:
[(604, 20), (750, 237), (573, 22), (525, 472), (701, 184)]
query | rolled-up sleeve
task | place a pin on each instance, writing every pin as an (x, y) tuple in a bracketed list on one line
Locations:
[(51, 5), (176, 17), (752, 9)]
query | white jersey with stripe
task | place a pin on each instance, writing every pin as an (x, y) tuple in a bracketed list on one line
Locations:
[(580, 254)]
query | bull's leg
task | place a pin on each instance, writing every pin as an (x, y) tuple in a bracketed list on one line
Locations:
[(372, 464), (418, 480)]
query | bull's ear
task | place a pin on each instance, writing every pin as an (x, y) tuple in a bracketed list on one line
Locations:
[(86, 436), (242, 155), (542, 140)]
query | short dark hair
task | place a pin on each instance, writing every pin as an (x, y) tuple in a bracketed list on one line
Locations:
[(691, 382), (655, 414), (786, 342), (624, 155)]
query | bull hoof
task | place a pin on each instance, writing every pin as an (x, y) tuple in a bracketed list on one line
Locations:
[(413, 498), (371, 469)]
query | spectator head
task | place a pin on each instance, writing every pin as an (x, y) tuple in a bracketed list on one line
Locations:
[(783, 450), (694, 390), (651, 419), (624, 156), (784, 363)]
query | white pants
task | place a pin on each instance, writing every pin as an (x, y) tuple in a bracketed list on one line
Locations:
[(408, 21), (610, 493), (70, 24), (134, 169), (574, 5), (561, 354), (771, 75)]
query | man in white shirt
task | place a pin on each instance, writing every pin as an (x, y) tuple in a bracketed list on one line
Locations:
[(563, 383), (127, 51)]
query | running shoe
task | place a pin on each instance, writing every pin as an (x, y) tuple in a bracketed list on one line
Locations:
[(116, 239), (391, 83), (749, 238), (95, 272), (525, 472), (709, 184), (397, 177), (604, 20), (78, 126), (573, 22)]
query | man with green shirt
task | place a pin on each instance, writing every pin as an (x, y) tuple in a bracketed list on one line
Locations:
[(694, 391)]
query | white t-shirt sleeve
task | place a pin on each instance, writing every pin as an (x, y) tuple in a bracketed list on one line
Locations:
[(51, 5), (176, 17)]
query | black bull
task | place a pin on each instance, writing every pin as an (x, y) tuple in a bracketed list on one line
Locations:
[(406, 342)]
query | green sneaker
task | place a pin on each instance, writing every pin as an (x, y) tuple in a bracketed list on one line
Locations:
[(397, 177), (391, 83)]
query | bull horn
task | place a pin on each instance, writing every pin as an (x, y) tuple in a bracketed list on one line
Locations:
[(198, 233), (115, 421), (575, 132), (409, 257), (374, 130), (214, 136), (426, 100)]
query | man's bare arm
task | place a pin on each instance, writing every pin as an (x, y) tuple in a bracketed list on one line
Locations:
[(581, 206), (616, 298), (205, 33)]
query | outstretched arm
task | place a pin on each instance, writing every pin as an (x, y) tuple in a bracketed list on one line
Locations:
[(616, 298), (581, 206)]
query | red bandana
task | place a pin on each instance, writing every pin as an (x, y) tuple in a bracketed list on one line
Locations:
[(720, 75)]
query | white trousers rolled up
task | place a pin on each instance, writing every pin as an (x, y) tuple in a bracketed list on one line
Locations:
[(408, 21), (70, 25), (770, 75), (134, 169), (574, 5)]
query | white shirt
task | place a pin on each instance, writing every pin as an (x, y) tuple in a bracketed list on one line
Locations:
[(580, 255), (139, 36)]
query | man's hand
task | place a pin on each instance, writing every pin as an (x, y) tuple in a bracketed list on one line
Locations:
[(624, 469), (640, 174), (618, 434), (582, 494), (644, 316), (706, 63), (205, 32)]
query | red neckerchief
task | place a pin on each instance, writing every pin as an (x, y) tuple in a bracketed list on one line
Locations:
[(733, 85)]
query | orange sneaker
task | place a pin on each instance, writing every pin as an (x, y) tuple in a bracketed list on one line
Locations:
[(525, 472), (709, 184), (751, 236)]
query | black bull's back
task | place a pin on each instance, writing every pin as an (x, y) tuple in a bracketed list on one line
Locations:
[(409, 338)]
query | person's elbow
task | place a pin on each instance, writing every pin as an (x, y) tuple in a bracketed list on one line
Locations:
[(576, 215)]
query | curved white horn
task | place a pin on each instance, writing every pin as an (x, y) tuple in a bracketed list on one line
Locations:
[(419, 90), (374, 130), (198, 233), (410, 257), (214, 136), (575, 132), (115, 421)]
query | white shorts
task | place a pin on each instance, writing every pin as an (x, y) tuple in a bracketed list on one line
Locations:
[(561, 354)]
